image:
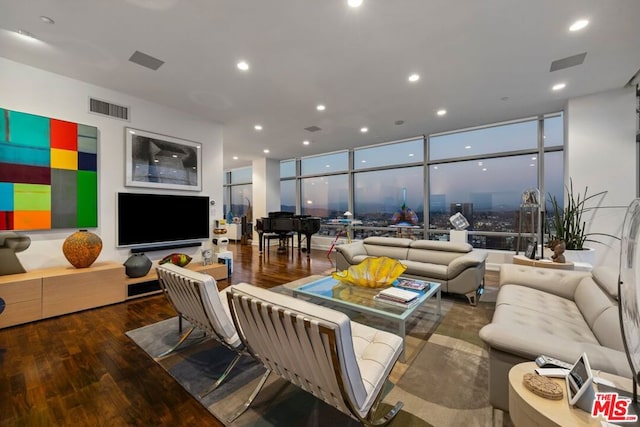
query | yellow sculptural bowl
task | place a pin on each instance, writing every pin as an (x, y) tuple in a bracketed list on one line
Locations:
[(373, 272)]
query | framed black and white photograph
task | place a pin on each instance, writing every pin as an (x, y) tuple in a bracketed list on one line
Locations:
[(161, 161)]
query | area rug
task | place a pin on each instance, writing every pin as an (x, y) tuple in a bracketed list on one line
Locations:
[(442, 383)]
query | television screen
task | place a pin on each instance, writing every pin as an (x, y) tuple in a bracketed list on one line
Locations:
[(157, 219)]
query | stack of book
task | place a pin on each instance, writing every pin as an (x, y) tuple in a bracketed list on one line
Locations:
[(415, 285), (397, 297)]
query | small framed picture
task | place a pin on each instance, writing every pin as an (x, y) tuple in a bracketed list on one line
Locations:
[(531, 251)]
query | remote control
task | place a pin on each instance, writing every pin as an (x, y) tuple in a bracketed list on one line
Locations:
[(549, 362), (553, 372)]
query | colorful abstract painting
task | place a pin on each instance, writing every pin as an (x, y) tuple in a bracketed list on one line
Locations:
[(48, 173)]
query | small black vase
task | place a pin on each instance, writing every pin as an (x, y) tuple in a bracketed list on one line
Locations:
[(137, 265)]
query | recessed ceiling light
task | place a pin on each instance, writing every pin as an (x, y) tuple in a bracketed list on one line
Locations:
[(579, 24), (266, 150), (484, 169), (26, 35), (306, 142), (364, 130), (327, 166), (47, 20), (533, 158), (309, 202), (235, 157), (441, 112), (321, 107), (466, 147), (354, 3), (411, 154), (435, 167), (480, 163), (363, 161), (242, 66), (258, 127), (414, 77), (559, 86), (532, 164)]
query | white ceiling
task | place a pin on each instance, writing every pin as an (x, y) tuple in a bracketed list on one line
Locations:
[(482, 60)]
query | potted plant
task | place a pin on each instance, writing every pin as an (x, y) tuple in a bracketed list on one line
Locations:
[(567, 224)]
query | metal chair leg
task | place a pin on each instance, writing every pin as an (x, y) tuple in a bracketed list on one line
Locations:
[(172, 349), (215, 385), (246, 404)]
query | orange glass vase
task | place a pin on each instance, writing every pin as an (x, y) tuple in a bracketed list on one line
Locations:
[(82, 248)]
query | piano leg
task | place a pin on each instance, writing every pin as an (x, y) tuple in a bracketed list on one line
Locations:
[(308, 237), (260, 240)]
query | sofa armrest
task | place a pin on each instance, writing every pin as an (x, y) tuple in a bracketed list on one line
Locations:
[(532, 344), (350, 250), (557, 282), (471, 259)]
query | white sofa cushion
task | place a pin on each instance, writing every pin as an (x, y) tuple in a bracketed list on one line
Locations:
[(425, 269), (535, 324), (547, 306), (437, 245)]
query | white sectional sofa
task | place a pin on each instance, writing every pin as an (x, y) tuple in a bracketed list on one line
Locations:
[(557, 313), (459, 268)]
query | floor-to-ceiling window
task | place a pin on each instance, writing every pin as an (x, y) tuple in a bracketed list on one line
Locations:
[(288, 192), (238, 193), (483, 172), (401, 188), (324, 186), (388, 188)]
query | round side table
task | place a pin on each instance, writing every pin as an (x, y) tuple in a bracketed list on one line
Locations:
[(528, 409)]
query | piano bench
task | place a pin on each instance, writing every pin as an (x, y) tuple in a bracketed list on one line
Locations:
[(277, 236)]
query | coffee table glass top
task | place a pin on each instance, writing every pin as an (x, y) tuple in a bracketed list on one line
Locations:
[(359, 298)]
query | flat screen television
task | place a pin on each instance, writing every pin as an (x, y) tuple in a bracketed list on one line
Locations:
[(156, 220)]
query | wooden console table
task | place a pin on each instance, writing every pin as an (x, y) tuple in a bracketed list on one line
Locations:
[(544, 263), (39, 294), (49, 292)]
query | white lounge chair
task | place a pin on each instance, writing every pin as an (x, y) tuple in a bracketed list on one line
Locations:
[(196, 298), (341, 362)]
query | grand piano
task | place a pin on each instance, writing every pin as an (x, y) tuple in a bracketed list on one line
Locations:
[(283, 223)]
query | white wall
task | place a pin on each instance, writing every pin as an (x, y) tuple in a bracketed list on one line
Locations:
[(35, 91), (601, 155)]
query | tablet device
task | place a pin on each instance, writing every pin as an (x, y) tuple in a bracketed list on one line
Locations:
[(579, 380)]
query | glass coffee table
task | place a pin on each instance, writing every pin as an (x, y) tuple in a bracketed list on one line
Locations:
[(360, 299)]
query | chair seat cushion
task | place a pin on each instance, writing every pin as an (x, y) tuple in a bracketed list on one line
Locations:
[(375, 351)]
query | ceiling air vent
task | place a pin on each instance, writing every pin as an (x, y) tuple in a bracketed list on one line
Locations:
[(312, 129), (569, 61), (108, 109)]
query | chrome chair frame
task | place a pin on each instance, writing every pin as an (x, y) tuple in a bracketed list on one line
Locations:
[(195, 297)]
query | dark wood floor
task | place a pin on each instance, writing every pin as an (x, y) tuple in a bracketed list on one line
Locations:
[(81, 370)]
